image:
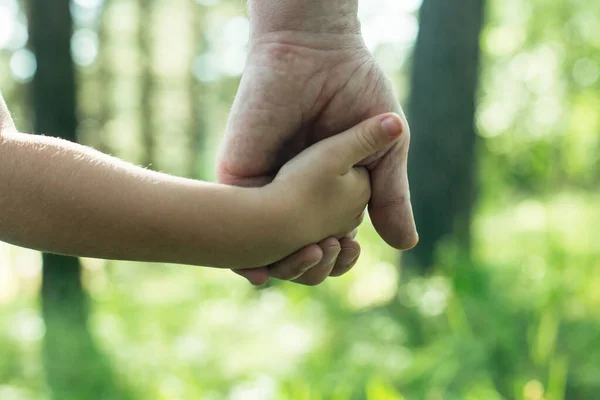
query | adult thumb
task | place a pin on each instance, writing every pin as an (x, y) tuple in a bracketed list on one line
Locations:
[(364, 140)]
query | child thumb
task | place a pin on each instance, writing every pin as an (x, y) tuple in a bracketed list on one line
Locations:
[(365, 139)]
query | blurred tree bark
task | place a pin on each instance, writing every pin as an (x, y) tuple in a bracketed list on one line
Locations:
[(74, 368), (146, 45), (442, 116), (197, 96), (105, 75)]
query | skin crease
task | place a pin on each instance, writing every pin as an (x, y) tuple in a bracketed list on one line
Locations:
[(299, 88)]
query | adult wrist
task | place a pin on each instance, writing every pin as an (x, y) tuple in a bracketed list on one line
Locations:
[(310, 16)]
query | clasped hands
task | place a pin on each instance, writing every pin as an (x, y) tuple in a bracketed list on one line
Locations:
[(296, 92)]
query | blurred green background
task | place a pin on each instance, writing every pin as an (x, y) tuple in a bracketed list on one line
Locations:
[(500, 301)]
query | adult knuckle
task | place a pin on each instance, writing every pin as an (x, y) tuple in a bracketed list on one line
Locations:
[(331, 246), (393, 202), (285, 272)]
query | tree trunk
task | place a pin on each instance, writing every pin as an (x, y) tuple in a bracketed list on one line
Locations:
[(442, 117), (105, 76), (74, 368), (147, 83), (197, 99)]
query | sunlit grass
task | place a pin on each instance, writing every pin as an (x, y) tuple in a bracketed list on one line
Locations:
[(188, 331)]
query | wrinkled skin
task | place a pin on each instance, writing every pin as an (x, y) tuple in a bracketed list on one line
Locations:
[(298, 89)]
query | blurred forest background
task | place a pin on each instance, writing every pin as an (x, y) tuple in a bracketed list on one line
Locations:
[(500, 301)]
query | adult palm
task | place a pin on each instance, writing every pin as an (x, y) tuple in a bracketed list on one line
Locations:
[(298, 89)]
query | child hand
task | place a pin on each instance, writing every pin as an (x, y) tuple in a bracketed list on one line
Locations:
[(310, 186)]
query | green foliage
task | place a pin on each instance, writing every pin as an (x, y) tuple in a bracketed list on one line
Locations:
[(518, 319)]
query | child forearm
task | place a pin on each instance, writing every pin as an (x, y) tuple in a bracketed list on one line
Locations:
[(64, 198)]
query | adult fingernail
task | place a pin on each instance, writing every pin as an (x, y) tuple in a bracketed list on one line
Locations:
[(392, 125)]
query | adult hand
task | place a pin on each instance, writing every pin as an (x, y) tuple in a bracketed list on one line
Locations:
[(299, 87)]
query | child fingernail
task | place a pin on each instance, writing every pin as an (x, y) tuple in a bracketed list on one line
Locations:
[(392, 125)]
